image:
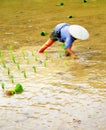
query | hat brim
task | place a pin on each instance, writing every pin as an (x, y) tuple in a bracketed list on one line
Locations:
[(78, 32)]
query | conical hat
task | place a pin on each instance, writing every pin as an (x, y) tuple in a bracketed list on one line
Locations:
[(78, 32)]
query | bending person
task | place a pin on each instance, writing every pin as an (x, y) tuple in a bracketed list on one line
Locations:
[(66, 34)]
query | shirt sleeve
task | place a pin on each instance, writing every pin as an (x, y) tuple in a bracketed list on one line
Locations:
[(68, 42)]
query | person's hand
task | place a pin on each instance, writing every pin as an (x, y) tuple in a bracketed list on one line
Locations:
[(41, 51), (76, 57)]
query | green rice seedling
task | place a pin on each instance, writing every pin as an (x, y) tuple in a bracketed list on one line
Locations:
[(72, 57), (63, 46), (16, 90), (12, 78), (33, 53), (23, 53), (51, 59), (11, 48), (35, 58), (45, 63), (46, 54), (12, 55), (24, 73), (3, 63), (66, 62), (18, 65), (3, 86), (13, 58), (9, 71), (1, 54), (60, 54), (34, 68)]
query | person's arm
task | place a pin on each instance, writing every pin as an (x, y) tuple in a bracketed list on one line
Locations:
[(68, 46), (72, 53), (46, 45)]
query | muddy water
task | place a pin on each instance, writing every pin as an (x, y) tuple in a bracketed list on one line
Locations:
[(63, 94)]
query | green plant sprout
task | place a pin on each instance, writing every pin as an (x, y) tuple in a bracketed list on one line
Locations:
[(1, 54), (12, 55), (18, 88), (13, 58), (23, 53), (33, 53), (72, 57), (51, 59), (60, 54), (3, 63), (9, 71), (46, 54), (34, 68), (66, 62), (25, 75), (11, 49), (35, 58), (3, 86), (2, 60), (45, 63), (18, 65), (63, 46), (12, 78)]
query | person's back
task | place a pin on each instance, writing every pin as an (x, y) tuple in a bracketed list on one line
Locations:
[(66, 34)]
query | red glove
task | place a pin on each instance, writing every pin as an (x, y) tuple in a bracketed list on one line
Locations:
[(46, 45)]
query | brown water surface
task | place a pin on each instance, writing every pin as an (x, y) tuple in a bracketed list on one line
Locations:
[(63, 94)]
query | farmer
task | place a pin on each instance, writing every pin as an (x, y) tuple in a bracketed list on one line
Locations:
[(66, 34)]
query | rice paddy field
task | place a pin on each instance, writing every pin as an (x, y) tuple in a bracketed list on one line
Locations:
[(60, 93)]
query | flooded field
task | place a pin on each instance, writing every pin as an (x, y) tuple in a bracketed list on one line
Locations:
[(60, 93)]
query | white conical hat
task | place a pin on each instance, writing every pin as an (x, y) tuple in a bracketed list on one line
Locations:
[(78, 32)]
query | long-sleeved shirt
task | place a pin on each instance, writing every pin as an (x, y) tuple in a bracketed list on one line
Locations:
[(64, 35)]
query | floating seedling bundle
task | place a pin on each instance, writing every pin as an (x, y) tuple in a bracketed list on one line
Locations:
[(15, 90)]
